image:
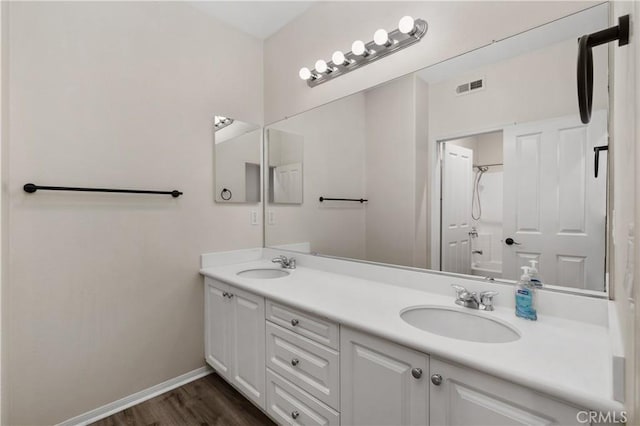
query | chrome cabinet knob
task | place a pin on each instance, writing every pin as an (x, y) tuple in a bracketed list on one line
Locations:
[(294, 322), (225, 294), (295, 414), (436, 379), (416, 373), (295, 361), (230, 295)]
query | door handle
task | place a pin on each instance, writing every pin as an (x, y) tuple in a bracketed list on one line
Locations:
[(596, 158), (510, 241)]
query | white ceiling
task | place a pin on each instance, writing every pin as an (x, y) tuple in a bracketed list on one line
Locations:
[(259, 18)]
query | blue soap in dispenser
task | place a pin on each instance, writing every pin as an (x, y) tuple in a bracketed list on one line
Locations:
[(525, 296)]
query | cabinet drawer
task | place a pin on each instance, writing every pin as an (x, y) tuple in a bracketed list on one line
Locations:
[(289, 405), (310, 365), (313, 327)]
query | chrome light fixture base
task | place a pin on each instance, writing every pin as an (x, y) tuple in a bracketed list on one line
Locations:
[(398, 41)]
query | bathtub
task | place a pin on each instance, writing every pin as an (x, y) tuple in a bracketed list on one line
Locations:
[(490, 269)]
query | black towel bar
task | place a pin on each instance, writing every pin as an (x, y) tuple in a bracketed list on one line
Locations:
[(31, 188), (360, 200)]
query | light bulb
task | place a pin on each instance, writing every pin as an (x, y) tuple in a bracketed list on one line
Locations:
[(358, 48), (321, 66), (338, 58), (304, 73), (381, 38), (407, 25)]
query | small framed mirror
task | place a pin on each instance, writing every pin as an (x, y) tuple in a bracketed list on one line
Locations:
[(236, 160)]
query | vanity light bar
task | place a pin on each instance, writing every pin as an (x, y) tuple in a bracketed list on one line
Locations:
[(409, 31)]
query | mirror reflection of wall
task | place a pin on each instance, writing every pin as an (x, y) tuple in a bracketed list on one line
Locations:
[(237, 160), (476, 165), (285, 159)]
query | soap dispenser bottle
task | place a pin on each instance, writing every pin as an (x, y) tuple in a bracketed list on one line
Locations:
[(533, 274), (525, 296)]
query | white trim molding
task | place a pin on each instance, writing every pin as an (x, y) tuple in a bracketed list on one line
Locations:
[(136, 398)]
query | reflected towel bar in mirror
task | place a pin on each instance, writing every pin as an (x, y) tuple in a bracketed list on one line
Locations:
[(359, 200), (31, 188)]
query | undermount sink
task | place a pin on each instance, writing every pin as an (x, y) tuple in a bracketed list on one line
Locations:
[(456, 324), (263, 273)]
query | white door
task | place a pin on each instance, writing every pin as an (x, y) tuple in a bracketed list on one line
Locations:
[(554, 207), (247, 326), (466, 397), (378, 386), (217, 312), (457, 183), (287, 184)]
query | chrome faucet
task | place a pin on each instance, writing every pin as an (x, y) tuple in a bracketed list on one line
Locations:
[(286, 263), (471, 299)]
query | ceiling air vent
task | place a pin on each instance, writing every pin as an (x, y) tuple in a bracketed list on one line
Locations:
[(470, 86)]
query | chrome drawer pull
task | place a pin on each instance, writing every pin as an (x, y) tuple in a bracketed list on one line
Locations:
[(295, 414), (416, 373), (294, 322), (436, 379), (294, 362)]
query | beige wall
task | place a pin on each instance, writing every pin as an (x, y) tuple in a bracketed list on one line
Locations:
[(422, 250), (104, 297), (4, 131), (625, 182), (327, 26), (390, 169)]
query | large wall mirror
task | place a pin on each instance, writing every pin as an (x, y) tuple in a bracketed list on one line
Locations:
[(476, 165), (237, 160)]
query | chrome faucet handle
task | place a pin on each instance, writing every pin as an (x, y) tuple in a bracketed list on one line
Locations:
[(486, 300), (279, 259), (460, 291), (292, 263)]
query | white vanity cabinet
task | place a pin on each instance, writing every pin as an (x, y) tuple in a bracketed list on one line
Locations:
[(382, 383), (235, 337), (305, 369), (461, 396)]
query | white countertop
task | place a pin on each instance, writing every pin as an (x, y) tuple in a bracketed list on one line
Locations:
[(568, 359)]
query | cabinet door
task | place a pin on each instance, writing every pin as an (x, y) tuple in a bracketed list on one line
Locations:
[(247, 329), (468, 397), (217, 327), (378, 386)]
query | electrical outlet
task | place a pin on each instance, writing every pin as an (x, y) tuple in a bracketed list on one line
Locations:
[(272, 217), (254, 217)]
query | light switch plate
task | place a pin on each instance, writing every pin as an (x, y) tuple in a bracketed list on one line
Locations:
[(254, 217)]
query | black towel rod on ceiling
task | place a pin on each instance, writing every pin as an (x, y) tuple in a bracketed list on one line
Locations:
[(360, 200), (585, 61), (31, 188)]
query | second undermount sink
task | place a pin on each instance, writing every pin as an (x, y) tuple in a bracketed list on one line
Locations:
[(456, 324), (263, 273)]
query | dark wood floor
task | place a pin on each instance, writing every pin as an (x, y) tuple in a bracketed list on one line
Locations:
[(207, 401)]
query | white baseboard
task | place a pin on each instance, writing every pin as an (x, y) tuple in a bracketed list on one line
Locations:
[(136, 398)]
